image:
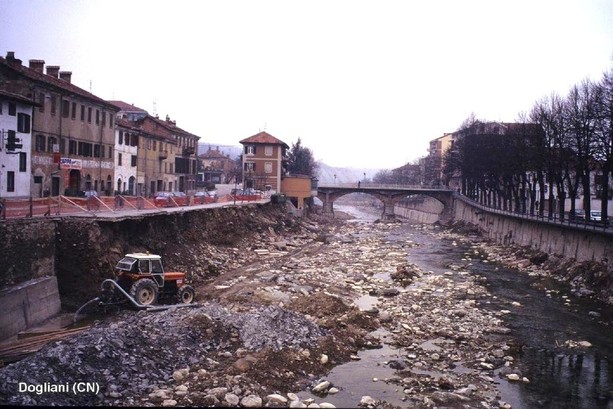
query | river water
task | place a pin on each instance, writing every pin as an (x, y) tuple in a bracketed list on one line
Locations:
[(560, 377)]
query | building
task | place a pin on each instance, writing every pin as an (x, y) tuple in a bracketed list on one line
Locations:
[(185, 161), (126, 157), (264, 159), (72, 129), (15, 145), (434, 162), (216, 167)]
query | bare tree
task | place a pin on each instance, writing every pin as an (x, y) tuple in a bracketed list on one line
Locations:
[(603, 153)]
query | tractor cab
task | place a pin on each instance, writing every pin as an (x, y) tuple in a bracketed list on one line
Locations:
[(141, 264), (143, 276)]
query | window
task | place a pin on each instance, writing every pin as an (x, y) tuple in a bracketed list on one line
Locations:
[(23, 164), (120, 138), (72, 147), (111, 121), (154, 145), (110, 151), (23, 123), (41, 101), (97, 117), (51, 141), (85, 149), (10, 181), (82, 112), (40, 143), (119, 159), (12, 109), (89, 115), (133, 160), (65, 108), (96, 151), (250, 150), (268, 167), (268, 150), (73, 114), (249, 166), (103, 118), (53, 104)]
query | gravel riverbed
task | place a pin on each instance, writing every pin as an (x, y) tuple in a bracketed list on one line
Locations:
[(280, 322)]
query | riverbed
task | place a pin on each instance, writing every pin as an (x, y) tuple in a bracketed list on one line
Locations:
[(565, 343)]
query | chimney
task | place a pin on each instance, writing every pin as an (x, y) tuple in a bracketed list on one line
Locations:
[(38, 65), (11, 60), (66, 76), (53, 70)]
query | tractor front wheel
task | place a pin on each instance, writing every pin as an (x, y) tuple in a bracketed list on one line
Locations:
[(144, 291), (186, 294)]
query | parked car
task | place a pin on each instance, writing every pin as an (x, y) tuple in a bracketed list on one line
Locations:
[(205, 197), (162, 199), (579, 214), (595, 215)]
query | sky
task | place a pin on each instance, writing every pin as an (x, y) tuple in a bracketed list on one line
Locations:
[(364, 84)]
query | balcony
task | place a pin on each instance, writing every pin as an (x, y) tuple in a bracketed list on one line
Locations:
[(189, 150), (163, 155)]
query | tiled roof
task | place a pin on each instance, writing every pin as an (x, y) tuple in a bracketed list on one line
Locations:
[(17, 97), (124, 106), (51, 81), (213, 154), (264, 137)]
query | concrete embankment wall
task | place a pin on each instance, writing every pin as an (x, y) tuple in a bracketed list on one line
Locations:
[(564, 241), (421, 209), (567, 242)]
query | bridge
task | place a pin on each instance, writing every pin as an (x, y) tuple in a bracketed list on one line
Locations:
[(388, 194)]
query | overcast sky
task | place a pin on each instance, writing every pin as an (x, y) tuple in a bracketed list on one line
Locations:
[(362, 83)]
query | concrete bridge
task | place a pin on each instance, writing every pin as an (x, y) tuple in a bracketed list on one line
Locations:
[(388, 194)]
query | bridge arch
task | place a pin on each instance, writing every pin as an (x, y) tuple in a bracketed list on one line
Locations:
[(389, 195)]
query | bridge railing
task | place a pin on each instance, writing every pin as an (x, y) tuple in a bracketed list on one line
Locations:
[(381, 186)]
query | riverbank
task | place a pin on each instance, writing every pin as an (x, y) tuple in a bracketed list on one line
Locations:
[(276, 326)]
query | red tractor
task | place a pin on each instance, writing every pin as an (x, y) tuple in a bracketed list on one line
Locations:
[(141, 278)]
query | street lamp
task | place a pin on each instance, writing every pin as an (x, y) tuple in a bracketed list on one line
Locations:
[(335, 178)]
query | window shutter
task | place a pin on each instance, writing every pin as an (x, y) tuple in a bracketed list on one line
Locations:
[(245, 149), (254, 150)]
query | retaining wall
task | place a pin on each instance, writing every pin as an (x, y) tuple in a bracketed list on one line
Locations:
[(564, 241), (27, 304)]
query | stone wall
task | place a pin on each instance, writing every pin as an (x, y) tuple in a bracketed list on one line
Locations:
[(27, 250), (421, 209)]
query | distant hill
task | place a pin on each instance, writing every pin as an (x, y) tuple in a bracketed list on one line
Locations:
[(326, 174)]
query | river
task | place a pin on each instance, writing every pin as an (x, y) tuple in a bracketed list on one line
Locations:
[(547, 327)]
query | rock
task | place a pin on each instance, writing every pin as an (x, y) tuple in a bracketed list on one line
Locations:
[(323, 359), (169, 402), (231, 399), (333, 390), (276, 398), (251, 401), (321, 387), (448, 397), (297, 404), (513, 377), (368, 401), (292, 396), (326, 405), (390, 292)]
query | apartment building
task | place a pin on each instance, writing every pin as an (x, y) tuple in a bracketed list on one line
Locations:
[(264, 159), (72, 129), (15, 145)]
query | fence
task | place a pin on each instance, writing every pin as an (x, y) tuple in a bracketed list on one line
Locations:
[(65, 205)]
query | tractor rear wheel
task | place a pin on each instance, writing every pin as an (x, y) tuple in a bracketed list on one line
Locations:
[(186, 294), (144, 291)]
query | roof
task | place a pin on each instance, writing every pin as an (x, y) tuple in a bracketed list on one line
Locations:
[(124, 106), (144, 256), (17, 97), (33, 75), (264, 138), (213, 154)]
